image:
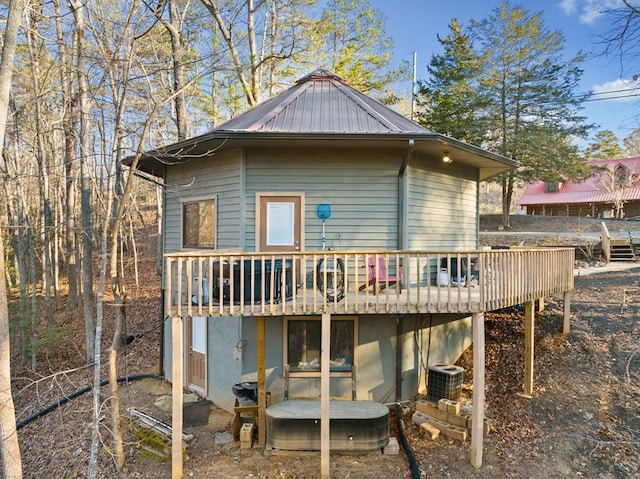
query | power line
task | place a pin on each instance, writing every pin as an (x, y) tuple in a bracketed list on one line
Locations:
[(635, 88), (615, 97)]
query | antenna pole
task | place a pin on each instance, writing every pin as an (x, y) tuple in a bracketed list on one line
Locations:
[(413, 84)]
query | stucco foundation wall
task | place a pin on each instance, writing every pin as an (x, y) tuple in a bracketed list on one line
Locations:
[(440, 338), (224, 365), (225, 359), (376, 356)]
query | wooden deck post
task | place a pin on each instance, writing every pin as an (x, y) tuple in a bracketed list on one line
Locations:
[(566, 326), (262, 383), (529, 327), (176, 391), (325, 391), (477, 417)]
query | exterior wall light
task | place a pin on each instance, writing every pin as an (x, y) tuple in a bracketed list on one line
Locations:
[(446, 158)]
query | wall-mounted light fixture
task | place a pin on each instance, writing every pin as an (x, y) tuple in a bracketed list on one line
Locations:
[(446, 158)]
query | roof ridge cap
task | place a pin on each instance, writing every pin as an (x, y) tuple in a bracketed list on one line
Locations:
[(355, 95)]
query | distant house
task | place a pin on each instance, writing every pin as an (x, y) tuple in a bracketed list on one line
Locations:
[(613, 191)]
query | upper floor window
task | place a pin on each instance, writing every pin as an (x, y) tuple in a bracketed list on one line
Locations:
[(199, 223)]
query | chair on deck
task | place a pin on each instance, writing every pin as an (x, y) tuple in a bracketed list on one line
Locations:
[(379, 276)]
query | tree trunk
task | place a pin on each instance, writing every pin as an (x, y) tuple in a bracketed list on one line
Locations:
[(248, 85), (175, 30), (21, 255), (69, 128), (9, 447), (43, 179), (85, 184)]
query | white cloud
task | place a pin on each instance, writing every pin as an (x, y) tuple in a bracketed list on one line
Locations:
[(617, 90), (569, 6), (588, 10)]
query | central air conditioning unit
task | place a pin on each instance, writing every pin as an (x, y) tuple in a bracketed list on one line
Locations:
[(197, 283), (444, 382)]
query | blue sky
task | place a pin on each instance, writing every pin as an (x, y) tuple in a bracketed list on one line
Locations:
[(414, 24)]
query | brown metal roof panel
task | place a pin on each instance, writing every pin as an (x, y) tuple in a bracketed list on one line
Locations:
[(321, 104)]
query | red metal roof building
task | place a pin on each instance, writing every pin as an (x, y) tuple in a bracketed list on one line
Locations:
[(595, 197)]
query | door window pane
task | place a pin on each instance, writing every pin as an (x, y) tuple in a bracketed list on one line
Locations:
[(198, 334), (280, 224)]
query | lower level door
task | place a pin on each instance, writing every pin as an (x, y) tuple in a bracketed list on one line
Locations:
[(197, 352)]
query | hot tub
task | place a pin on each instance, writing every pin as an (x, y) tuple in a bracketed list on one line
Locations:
[(354, 425)]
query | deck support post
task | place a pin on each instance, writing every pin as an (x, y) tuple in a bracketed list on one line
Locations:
[(566, 325), (477, 416), (399, 338), (325, 415), (262, 383), (529, 327), (176, 391)]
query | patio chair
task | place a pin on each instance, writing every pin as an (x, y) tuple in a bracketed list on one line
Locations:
[(379, 276)]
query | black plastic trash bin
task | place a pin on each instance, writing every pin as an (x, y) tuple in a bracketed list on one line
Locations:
[(247, 391)]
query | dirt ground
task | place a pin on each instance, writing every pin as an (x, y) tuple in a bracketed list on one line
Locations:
[(583, 419)]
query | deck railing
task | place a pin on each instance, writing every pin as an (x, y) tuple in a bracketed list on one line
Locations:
[(253, 284)]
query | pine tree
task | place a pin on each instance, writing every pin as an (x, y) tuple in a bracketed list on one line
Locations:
[(350, 40), (449, 98), (605, 146), (534, 113)]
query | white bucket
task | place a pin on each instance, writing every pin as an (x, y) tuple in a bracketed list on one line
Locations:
[(444, 277)]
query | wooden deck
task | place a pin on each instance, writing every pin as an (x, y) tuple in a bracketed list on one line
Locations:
[(249, 284), (326, 283)]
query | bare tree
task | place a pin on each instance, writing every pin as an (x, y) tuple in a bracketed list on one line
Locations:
[(69, 123), (9, 446), (85, 193), (249, 82), (41, 154), (617, 180), (117, 60), (623, 40), (174, 27), (259, 35)]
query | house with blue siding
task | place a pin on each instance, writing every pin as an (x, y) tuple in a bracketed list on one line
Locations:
[(282, 217)]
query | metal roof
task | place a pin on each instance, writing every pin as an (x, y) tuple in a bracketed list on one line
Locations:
[(320, 110), (321, 102), (589, 191)]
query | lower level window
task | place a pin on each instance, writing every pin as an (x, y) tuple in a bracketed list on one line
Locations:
[(303, 343)]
